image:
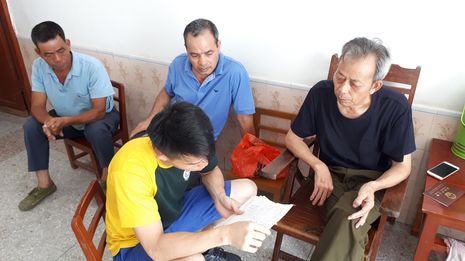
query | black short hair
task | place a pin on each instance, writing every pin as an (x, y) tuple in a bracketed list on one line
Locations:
[(197, 26), (182, 129), (46, 31)]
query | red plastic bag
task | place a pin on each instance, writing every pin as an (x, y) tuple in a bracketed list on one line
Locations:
[(251, 155)]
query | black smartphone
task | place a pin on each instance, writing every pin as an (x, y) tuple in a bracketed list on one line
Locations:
[(442, 170)]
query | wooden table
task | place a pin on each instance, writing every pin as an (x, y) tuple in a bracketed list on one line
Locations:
[(437, 214)]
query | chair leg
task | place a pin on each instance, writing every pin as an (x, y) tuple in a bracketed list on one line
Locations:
[(277, 246), (418, 222), (377, 238), (277, 196), (71, 155), (95, 165)]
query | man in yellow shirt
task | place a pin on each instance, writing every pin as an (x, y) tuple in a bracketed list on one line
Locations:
[(150, 215)]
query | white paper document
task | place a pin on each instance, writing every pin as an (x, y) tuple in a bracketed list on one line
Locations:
[(260, 210)]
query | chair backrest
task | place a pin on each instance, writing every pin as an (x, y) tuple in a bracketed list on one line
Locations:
[(271, 126), (401, 79), (120, 104), (85, 235)]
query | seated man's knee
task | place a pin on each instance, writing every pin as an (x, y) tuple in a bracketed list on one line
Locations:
[(339, 214), (339, 221), (243, 189), (249, 187), (96, 130), (32, 124)]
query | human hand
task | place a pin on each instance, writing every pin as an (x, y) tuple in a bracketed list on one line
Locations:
[(141, 126), (247, 236), (55, 125), (365, 199), (323, 185), (48, 133), (227, 206)]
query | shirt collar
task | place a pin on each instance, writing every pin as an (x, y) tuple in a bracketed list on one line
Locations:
[(76, 67), (163, 165), (220, 65)]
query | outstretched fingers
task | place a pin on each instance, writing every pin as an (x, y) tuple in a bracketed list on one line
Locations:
[(255, 236)]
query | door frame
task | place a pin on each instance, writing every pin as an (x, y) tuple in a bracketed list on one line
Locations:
[(18, 62)]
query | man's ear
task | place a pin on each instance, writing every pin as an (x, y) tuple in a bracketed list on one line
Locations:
[(218, 44), (68, 43), (376, 86), (37, 50), (160, 155)]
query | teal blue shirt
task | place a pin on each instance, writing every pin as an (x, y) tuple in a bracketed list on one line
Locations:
[(87, 80)]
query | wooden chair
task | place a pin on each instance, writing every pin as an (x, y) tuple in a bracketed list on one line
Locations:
[(119, 138), (85, 235), (271, 126), (303, 221)]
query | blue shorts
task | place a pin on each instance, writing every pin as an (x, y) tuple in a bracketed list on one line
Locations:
[(198, 211)]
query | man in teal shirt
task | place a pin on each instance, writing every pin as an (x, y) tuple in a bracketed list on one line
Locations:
[(80, 92)]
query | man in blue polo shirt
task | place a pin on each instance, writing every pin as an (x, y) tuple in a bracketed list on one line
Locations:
[(80, 92), (203, 76)]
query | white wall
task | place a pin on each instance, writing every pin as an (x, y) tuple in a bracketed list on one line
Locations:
[(289, 42)]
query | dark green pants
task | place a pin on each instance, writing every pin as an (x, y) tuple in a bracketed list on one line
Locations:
[(340, 239)]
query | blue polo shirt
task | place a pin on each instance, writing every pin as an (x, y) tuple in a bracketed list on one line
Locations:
[(87, 80), (228, 84)]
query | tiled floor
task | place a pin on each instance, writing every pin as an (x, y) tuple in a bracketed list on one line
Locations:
[(44, 233)]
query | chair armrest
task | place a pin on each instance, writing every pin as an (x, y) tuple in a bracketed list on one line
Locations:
[(272, 170), (393, 198)]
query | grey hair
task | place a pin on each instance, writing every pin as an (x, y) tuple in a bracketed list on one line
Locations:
[(197, 27), (361, 47)]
